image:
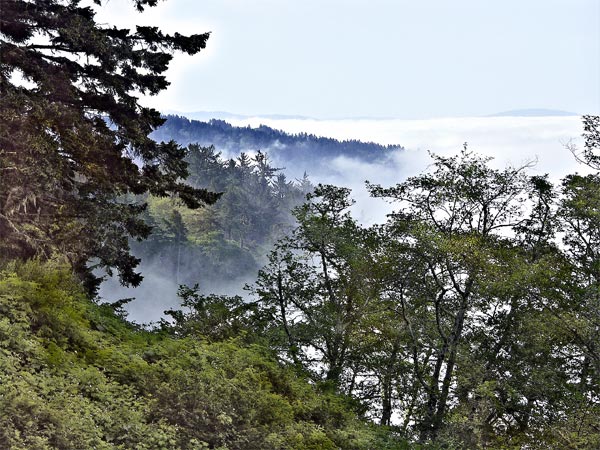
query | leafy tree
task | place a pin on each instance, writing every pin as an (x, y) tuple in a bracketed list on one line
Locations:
[(317, 287), (574, 309), (591, 150), (451, 227), (213, 317), (580, 208), (73, 137)]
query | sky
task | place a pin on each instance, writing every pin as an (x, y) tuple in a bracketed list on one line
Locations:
[(379, 58)]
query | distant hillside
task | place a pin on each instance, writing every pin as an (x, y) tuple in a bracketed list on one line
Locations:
[(224, 115), (534, 112), (280, 146)]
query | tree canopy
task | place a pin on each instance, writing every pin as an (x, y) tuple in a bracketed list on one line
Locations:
[(293, 150), (468, 320), (74, 137)]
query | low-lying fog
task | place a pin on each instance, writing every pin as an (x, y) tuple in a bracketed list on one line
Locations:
[(509, 140)]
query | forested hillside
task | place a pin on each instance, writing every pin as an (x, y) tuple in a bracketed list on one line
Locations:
[(220, 246), (281, 146), (470, 318), (75, 375)]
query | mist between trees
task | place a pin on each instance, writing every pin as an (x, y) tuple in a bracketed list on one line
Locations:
[(469, 317), (221, 246)]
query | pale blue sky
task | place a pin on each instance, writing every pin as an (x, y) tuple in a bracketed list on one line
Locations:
[(381, 58)]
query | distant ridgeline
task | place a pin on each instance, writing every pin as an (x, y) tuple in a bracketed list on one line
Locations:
[(279, 145)]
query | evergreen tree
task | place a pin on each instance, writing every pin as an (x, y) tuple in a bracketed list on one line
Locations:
[(205, 168), (73, 137)]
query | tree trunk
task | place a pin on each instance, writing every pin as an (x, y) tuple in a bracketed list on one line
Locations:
[(293, 348)]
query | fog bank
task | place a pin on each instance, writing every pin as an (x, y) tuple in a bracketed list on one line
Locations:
[(509, 140)]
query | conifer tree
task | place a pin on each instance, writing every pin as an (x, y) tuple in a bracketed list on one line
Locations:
[(74, 138)]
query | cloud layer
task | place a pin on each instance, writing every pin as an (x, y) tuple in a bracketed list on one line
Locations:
[(509, 140)]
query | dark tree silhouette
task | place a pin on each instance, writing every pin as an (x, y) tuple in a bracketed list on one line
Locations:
[(74, 139)]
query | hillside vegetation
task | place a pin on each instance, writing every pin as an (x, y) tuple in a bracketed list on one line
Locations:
[(74, 374), (469, 319), (282, 147)]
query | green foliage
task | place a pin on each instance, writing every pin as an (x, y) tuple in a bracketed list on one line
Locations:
[(257, 198), (471, 319), (226, 240), (318, 285), (75, 375), (464, 316), (288, 148), (591, 151), (212, 317), (73, 137)]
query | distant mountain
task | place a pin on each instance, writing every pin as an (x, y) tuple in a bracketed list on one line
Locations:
[(224, 115), (533, 112), (281, 147)]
